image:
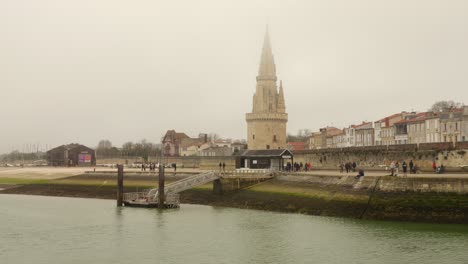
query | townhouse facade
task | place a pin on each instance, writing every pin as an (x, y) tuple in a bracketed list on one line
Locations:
[(449, 125), (432, 125), (364, 134)]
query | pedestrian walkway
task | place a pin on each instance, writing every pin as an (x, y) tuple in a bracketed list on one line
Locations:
[(382, 173)]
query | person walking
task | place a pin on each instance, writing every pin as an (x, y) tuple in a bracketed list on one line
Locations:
[(220, 165), (341, 167), (397, 168), (224, 167), (404, 166), (434, 166), (354, 166), (411, 166)]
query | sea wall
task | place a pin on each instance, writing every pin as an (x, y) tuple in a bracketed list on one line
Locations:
[(389, 198), (441, 200), (386, 184), (376, 157)]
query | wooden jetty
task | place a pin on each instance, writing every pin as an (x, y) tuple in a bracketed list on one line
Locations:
[(151, 198)]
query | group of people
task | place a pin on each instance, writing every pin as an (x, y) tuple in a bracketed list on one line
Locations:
[(151, 166), (438, 169), (348, 166), (395, 168), (222, 166), (297, 166), (154, 166)]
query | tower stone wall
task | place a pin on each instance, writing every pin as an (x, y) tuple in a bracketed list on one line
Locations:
[(266, 124)]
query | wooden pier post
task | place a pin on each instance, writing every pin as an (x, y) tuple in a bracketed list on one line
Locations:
[(161, 187), (217, 187), (119, 185)]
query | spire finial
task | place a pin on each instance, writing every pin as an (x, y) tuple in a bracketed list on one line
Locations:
[(267, 63)]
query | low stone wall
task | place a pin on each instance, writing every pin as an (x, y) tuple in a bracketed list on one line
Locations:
[(377, 158), (387, 184)]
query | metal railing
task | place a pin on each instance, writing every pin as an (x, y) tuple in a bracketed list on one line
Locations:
[(172, 190), (170, 198)]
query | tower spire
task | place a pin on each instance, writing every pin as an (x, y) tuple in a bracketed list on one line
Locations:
[(281, 106), (267, 69)]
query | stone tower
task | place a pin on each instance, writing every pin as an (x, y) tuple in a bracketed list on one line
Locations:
[(266, 125)]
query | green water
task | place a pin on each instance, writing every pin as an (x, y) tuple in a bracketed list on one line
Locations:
[(48, 230)]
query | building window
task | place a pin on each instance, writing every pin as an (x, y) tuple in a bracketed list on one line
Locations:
[(274, 138), (267, 146), (253, 136)]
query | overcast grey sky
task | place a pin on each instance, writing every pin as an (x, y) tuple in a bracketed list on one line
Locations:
[(81, 71)]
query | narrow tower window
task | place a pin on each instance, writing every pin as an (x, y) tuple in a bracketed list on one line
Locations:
[(274, 138), (253, 136)]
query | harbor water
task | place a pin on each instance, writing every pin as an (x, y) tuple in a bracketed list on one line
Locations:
[(45, 230)]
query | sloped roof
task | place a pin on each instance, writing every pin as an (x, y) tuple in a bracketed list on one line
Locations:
[(420, 117), (331, 131), (298, 145), (188, 142), (362, 126), (172, 135), (266, 153), (388, 117), (69, 147)]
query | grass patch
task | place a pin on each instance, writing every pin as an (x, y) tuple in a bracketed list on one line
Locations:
[(20, 181)]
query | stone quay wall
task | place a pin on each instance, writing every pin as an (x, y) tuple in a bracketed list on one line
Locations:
[(385, 184), (453, 157)]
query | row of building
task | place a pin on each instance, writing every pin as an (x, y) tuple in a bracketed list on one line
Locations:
[(449, 125), (179, 144)]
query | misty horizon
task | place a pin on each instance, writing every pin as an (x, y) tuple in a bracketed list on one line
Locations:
[(81, 72)]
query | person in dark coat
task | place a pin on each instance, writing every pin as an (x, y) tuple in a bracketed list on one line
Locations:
[(224, 166), (354, 166), (404, 167), (220, 165), (360, 174), (411, 166)]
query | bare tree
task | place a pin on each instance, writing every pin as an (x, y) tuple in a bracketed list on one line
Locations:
[(439, 106), (104, 144), (302, 135), (213, 136)]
